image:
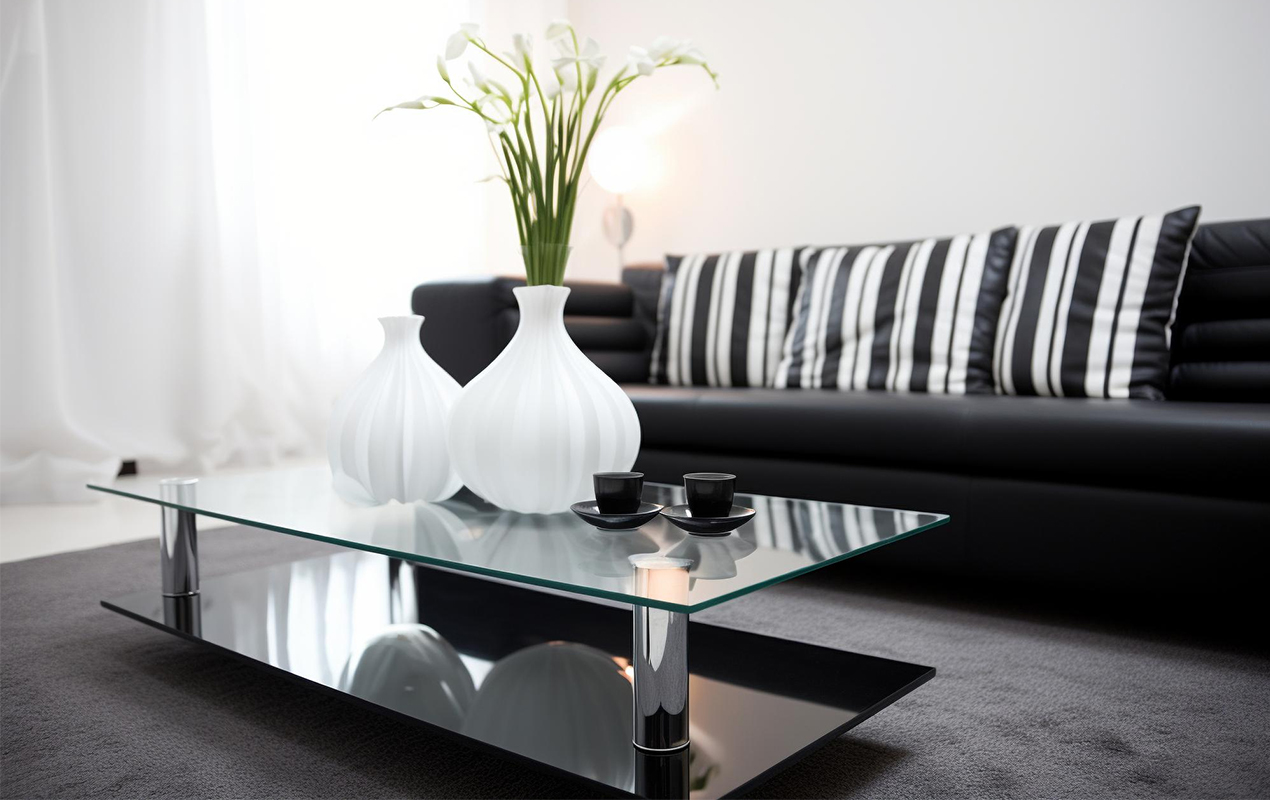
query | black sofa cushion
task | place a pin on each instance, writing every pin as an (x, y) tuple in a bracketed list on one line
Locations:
[(1090, 306), (1221, 342), (1191, 448), (910, 317)]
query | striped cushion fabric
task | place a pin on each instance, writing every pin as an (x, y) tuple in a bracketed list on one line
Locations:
[(910, 317), (722, 318), (1089, 307)]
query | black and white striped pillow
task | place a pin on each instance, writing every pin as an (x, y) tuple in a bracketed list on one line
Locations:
[(910, 317), (1089, 307), (722, 318)]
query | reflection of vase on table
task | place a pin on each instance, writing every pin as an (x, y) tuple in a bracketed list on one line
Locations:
[(562, 703), (411, 669)]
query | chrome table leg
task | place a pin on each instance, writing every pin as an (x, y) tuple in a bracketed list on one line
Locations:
[(660, 656), (178, 539)]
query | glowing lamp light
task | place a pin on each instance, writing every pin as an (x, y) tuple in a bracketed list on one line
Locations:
[(619, 160)]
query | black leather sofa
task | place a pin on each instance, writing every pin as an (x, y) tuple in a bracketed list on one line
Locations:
[(1160, 499)]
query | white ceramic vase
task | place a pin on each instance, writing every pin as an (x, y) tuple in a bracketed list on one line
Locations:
[(387, 435), (530, 430)]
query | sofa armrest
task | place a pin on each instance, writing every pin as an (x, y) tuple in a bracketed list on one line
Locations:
[(470, 321)]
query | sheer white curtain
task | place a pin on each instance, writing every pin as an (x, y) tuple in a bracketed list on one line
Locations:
[(201, 223)]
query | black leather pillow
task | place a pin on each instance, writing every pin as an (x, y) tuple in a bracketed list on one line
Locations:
[(910, 317), (1089, 307)]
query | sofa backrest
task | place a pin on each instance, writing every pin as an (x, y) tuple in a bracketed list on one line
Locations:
[(469, 321), (1221, 337)]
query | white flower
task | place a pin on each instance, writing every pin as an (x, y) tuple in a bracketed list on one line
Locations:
[(640, 60), (568, 78), (441, 68), (495, 112), (666, 47), (510, 94), (421, 103), (590, 55), (524, 49), (550, 88), (495, 106), (558, 28), (478, 78), (693, 56), (458, 40)]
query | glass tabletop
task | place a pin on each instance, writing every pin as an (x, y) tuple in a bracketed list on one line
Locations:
[(786, 537)]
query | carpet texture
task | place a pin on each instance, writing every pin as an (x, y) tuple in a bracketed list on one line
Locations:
[(1024, 705)]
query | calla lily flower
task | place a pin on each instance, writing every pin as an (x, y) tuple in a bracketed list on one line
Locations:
[(550, 88), (507, 108), (496, 106), (523, 48), (478, 78), (693, 56), (568, 78), (458, 40), (421, 103), (666, 47), (641, 61), (590, 55)]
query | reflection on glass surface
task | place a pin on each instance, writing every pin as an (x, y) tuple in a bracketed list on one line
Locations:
[(564, 703), (559, 702), (785, 538), (712, 558), (607, 554), (411, 669)]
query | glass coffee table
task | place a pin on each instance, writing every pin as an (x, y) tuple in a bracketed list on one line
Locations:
[(536, 637)]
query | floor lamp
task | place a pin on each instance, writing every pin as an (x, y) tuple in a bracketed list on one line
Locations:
[(619, 162)]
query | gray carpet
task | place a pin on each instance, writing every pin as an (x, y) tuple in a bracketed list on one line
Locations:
[(94, 705)]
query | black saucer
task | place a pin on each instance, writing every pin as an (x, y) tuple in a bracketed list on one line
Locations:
[(708, 526), (589, 510)]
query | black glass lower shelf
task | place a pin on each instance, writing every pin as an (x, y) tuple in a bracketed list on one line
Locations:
[(530, 675)]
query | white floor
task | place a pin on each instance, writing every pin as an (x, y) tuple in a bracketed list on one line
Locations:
[(30, 531)]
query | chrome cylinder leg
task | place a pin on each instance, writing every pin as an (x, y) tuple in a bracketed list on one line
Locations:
[(660, 656), (661, 776), (178, 539), (184, 613)]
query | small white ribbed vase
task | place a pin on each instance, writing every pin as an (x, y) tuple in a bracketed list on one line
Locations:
[(387, 437), (530, 430)]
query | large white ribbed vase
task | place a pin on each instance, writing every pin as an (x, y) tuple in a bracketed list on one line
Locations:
[(387, 436), (530, 430)]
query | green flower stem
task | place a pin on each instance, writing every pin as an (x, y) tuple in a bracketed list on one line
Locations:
[(544, 173)]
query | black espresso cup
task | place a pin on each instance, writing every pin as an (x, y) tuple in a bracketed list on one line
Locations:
[(710, 493), (618, 492)]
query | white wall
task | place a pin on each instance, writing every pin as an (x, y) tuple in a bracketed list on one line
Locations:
[(842, 122)]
